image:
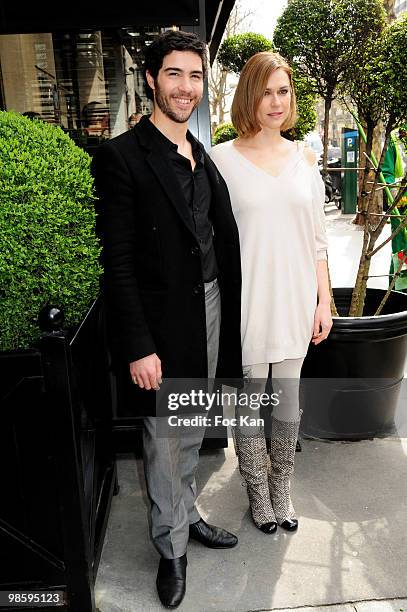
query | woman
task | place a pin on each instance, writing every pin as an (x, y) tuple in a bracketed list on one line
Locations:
[(277, 198)]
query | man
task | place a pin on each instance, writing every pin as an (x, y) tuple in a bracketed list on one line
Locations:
[(393, 171), (95, 117), (172, 284)]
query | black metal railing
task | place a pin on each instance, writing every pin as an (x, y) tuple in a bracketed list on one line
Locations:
[(57, 471)]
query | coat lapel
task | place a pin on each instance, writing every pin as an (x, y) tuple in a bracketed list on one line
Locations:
[(157, 159)]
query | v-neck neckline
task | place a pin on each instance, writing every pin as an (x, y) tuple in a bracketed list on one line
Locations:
[(259, 169)]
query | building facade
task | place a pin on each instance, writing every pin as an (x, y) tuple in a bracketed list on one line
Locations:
[(83, 71), (339, 119)]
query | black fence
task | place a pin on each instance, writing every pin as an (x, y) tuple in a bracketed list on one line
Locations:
[(57, 471)]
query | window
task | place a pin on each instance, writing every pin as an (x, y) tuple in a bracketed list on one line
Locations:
[(90, 83)]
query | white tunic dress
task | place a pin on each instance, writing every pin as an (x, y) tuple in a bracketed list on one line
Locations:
[(282, 235)]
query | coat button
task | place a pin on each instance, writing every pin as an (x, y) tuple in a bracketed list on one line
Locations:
[(195, 250), (197, 289)]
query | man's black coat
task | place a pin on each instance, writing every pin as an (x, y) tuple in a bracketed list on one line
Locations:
[(153, 285)]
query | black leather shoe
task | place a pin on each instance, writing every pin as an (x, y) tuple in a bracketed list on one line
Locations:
[(268, 527), (290, 524), (211, 536), (171, 581)]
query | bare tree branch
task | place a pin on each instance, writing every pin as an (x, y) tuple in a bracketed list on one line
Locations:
[(219, 90)]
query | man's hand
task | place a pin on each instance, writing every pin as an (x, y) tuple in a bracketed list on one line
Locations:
[(146, 372)]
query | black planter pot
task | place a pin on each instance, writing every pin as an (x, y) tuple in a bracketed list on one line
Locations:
[(57, 468), (351, 383)]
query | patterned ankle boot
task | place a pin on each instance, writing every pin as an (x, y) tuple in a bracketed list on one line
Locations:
[(282, 452)]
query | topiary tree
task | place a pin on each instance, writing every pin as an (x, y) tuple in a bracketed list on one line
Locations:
[(321, 37), (223, 133), (359, 87), (393, 72), (48, 248), (387, 75), (236, 50), (306, 103)]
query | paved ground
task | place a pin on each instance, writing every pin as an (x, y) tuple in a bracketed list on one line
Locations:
[(348, 554), (352, 502), (345, 241)]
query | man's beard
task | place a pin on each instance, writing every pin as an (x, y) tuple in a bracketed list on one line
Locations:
[(163, 105)]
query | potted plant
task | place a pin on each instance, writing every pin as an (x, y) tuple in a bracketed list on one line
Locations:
[(57, 469), (48, 248)]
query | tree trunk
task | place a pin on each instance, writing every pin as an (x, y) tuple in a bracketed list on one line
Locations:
[(370, 236), (389, 8), (362, 178), (328, 104), (359, 292), (379, 136), (367, 175)]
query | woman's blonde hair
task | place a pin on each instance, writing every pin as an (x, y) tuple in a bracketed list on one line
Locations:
[(250, 91)]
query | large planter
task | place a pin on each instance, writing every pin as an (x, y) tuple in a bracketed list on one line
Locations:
[(351, 383), (57, 471)]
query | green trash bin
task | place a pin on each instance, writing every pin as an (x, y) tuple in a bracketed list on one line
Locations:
[(350, 147)]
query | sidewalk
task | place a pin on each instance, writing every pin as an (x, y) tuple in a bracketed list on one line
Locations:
[(398, 605), (351, 499), (345, 244)]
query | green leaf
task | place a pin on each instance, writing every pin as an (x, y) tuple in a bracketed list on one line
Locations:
[(48, 248)]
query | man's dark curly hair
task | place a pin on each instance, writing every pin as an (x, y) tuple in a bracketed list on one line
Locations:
[(172, 40)]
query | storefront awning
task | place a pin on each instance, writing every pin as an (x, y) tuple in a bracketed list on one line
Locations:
[(79, 15), (217, 15), (49, 16)]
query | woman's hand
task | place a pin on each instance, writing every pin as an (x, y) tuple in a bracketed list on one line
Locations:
[(322, 322)]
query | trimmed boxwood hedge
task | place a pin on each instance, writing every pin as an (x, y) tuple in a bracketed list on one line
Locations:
[(223, 133), (49, 253)]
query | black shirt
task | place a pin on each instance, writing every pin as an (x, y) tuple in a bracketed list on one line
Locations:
[(196, 188)]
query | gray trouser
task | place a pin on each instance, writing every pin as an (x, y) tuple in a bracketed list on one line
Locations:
[(170, 462)]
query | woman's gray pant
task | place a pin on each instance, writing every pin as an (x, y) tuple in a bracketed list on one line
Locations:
[(170, 462), (285, 380)]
